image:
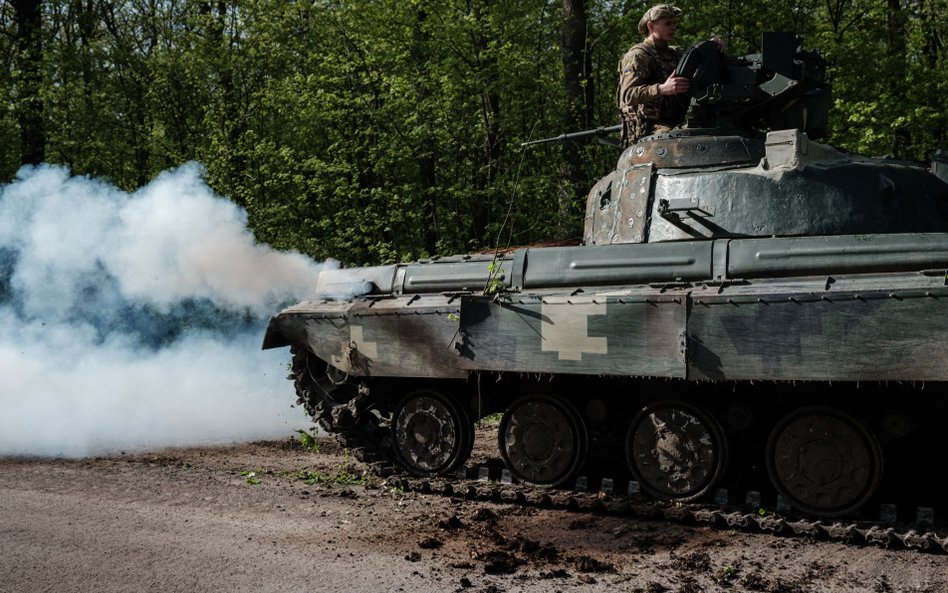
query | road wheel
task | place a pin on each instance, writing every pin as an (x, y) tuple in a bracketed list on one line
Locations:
[(543, 440), (432, 433), (676, 450), (824, 461)]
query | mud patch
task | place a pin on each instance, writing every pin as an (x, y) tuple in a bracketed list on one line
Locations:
[(587, 564), (499, 562), (485, 515), (452, 523), (693, 562), (430, 543)]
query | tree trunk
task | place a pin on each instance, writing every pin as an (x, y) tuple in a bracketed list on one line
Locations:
[(427, 165), (28, 79), (229, 106), (578, 89), (931, 27), (482, 207), (896, 42)]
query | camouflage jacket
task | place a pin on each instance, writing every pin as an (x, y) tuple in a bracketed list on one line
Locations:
[(640, 103)]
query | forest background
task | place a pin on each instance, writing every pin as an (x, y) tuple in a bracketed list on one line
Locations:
[(373, 131)]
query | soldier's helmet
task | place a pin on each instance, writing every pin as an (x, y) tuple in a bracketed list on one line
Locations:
[(659, 11)]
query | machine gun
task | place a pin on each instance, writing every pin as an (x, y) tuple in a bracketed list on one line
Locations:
[(782, 87)]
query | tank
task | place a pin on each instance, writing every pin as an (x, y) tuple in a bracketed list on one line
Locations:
[(748, 307)]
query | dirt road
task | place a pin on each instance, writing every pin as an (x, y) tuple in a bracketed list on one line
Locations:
[(270, 517)]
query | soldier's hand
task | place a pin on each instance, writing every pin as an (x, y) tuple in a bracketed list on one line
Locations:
[(674, 85)]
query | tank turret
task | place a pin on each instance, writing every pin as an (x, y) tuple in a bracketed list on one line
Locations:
[(724, 175)]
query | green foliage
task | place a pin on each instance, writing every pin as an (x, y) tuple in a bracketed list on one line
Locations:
[(495, 278), (726, 575), (251, 476), (343, 478), (384, 130), (490, 420), (344, 474), (308, 442)]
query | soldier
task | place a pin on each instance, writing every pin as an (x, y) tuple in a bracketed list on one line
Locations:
[(651, 96)]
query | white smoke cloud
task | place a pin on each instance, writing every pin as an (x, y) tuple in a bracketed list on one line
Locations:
[(134, 320)]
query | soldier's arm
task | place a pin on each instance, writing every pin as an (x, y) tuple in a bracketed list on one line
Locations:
[(674, 84), (633, 76)]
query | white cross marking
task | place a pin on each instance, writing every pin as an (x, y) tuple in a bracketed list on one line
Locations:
[(565, 329)]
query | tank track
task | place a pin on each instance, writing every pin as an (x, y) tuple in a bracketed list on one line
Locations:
[(482, 484), (363, 434), (748, 518), (348, 416)]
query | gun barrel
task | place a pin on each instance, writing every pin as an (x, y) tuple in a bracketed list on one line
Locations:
[(600, 131)]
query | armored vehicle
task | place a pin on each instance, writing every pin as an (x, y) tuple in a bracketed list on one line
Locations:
[(746, 305)]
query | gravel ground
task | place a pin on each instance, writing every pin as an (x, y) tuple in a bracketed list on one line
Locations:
[(268, 516)]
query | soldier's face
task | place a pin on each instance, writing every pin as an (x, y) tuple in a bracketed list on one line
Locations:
[(663, 29)]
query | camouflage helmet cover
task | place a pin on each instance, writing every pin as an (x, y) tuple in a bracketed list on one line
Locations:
[(659, 11)]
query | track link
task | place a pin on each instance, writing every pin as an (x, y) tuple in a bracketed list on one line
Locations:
[(921, 537)]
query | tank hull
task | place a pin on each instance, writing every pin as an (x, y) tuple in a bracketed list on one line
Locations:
[(847, 308)]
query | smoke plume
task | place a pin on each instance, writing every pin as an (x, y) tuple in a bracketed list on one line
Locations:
[(134, 320)]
